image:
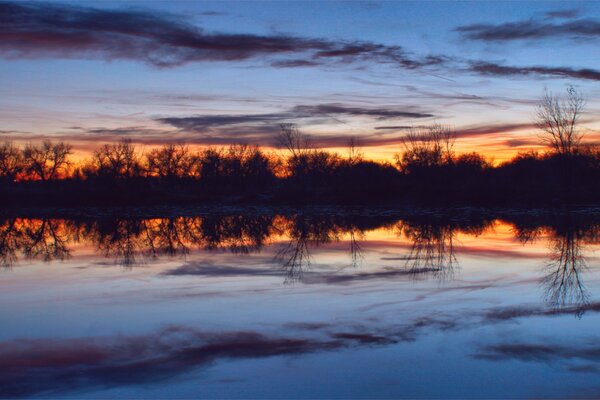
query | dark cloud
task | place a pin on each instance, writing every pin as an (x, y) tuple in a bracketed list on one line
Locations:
[(294, 63), (202, 123), (339, 109), (364, 338), (531, 29), (487, 68), (50, 30), (213, 13)]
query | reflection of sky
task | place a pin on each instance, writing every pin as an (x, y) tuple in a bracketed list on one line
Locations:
[(216, 324), (72, 96)]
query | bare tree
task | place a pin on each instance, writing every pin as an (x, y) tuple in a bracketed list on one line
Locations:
[(11, 162), (47, 160), (558, 117), (355, 154), (293, 140)]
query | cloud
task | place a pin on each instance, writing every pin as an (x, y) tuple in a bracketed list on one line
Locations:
[(532, 29), (566, 13), (213, 13), (262, 129), (224, 129), (30, 30), (493, 129), (487, 68), (339, 109), (202, 123)]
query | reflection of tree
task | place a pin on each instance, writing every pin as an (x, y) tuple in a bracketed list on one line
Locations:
[(46, 239), (295, 259), (11, 240), (237, 233), (304, 232), (432, 249), (356, 253), (121, 239), (563, 283)]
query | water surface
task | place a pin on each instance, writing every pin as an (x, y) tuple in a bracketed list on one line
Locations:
[(300, 305)]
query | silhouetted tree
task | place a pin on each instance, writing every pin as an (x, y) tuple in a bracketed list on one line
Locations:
[(117, 160), (173, 161), (211, 169), (47, 160), (355, 154), (558, 119), (11, 162)]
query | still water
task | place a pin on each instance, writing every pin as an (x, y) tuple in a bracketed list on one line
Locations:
[(296, 304)]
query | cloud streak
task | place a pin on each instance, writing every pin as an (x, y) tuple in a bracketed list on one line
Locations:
[(498, 70), (202, 123), (532, 29)]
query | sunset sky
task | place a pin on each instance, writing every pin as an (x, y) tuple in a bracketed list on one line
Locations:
[(216, 73)]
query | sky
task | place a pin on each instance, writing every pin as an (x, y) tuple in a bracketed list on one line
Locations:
[(217, 73)]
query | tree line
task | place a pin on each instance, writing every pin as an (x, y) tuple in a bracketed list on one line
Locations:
[(427, 169)]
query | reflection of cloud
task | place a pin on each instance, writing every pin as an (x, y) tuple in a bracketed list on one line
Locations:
[(509, 313), (209, 269), (567, 13), (539, 352), (56, 366), (32, 367)]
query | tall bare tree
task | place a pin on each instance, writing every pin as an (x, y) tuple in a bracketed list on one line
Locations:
[(293, 140), (47, 160), (355, 154), (558, 119)]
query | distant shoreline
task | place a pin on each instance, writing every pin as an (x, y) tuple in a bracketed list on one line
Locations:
[(452, 212)]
